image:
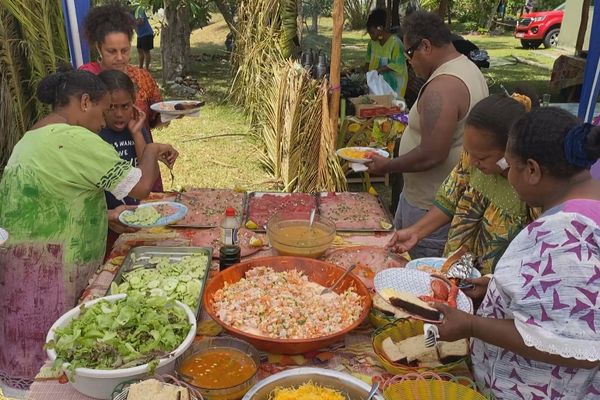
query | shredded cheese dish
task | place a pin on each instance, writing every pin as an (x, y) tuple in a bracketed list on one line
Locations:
[(307, 391), (285, 305)]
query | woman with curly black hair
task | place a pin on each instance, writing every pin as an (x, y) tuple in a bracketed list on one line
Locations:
[(110, 29)]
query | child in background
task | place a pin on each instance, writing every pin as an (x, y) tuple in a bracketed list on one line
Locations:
[(124, 125)]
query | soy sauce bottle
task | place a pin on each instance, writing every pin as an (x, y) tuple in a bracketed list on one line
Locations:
[(228, 256)]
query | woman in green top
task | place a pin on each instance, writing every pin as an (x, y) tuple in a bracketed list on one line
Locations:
[(53, 207), (484, 211), (385, 53)]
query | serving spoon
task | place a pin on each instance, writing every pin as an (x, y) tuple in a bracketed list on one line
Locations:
[(373, 391), (341, 278)]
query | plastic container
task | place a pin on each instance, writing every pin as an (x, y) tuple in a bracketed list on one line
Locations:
[(99, 383), (229, 227)]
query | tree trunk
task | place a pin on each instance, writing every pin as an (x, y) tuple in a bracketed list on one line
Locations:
[(223, 8), (175, 40), (315, 21), (300, 22), (380, 4), (336, 61), (395, 13), (442, 8)]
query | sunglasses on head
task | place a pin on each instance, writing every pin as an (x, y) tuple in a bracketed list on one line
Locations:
[(411, 50)]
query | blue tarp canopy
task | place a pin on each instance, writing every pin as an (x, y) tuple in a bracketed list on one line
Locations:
[(591, 82), (74, 11)]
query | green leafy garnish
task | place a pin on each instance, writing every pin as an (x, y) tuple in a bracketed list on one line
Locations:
[(122, 334)]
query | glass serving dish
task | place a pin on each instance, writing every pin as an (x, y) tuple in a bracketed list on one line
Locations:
[(291, 234)]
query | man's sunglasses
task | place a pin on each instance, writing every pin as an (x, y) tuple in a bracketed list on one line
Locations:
[(411, 50)]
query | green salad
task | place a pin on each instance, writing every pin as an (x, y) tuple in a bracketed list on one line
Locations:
[(176, 279), (146, 215), (122, 334)]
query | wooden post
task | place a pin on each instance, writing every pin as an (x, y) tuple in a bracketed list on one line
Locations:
[(336, 62), (585, 13)]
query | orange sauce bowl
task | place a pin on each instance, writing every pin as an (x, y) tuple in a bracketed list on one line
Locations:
[(317, 271), (220, 368)]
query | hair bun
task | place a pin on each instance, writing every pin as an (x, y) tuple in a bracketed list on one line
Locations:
[(592, 143)]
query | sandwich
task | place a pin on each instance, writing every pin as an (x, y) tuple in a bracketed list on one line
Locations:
[(151, 389), (411, 304)]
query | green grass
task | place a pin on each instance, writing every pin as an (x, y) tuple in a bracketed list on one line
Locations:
[(231, 161), (206, 160)]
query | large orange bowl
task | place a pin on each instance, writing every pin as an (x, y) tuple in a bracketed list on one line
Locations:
[(320, 272)]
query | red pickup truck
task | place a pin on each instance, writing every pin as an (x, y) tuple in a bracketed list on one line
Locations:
[(537, 28)]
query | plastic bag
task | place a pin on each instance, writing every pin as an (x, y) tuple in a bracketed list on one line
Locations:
[(378, 86)]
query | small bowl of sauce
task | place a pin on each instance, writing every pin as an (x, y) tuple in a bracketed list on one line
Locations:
[(220, 368)]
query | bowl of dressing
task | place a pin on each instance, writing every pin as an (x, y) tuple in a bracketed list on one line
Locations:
[(292, 235), (220, 368)]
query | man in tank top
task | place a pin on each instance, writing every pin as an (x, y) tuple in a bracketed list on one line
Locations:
[(432, 143)]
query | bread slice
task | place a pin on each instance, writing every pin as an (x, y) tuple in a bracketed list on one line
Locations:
[(379, 303), (415, 306), (151, 389), (391, 350), (410, 351), (452, 351)]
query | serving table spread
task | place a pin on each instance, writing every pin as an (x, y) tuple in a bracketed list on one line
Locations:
[(353, 355)]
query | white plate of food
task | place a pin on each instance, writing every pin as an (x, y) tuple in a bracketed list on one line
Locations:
[(412, 290), (177, 107), (358, 154), (150, 215), (434, 265)]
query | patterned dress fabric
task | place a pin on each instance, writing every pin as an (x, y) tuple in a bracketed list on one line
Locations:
[(548, 281), (54, 209), (485, 210), (390, 54)]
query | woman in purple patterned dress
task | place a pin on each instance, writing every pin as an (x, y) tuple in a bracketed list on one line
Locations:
[(536, 334)]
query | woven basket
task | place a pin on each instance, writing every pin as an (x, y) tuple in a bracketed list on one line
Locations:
[(379, 319), (430, 386), (400, 330)]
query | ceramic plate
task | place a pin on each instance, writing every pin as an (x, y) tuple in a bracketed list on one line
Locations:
[(179, 211), (342, 154), (435, 263), (415, 282), (168, 107)]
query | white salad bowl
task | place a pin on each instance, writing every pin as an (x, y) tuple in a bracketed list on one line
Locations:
[(99, 383)]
